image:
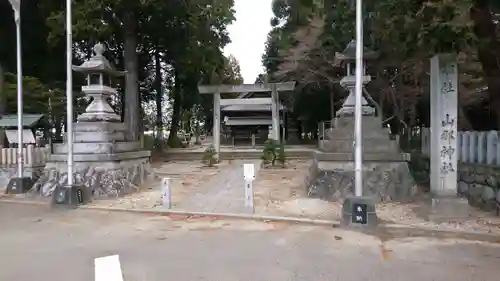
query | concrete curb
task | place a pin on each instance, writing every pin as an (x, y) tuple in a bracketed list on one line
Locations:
[(252, 217), (264, 218), (10, 201)]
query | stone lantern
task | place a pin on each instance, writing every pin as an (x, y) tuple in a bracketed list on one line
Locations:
[(386, 175), (106, 164), (347, 59), (99, 73)]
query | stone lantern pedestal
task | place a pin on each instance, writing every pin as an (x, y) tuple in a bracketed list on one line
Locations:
[(385, 171), (105, 163)]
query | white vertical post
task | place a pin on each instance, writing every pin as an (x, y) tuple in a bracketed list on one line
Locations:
[(275, 113), (29, 155), (166, 195), (5, 156), (16, 6), (69, 90), (283, 126), (434, 129), (278, 111), (444, 121), (249, 203), (358, 114), (249, 176), (216, 125)]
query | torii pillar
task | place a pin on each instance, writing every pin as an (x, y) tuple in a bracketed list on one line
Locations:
[(274, 88)]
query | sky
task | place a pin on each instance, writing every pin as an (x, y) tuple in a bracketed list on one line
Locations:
[(248, 35)]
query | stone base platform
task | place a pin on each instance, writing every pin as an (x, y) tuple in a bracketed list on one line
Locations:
[(104, 179), (382, 180), (445, 209), (6, 173)]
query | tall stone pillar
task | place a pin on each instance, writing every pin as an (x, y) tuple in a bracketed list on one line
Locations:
[(275, 114), (444, 113), (216, 128)]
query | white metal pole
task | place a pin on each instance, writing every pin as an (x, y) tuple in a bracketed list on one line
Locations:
[(358, 115), (17, 16), (249, 201), (166, 194), (69, 91)]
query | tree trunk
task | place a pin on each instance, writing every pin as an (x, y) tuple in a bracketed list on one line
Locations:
[(122, 106), (176, 111), (159, 95), (131, 114), (488, 53), (58, 127), (197, 132), (2, 105), (332, 103)]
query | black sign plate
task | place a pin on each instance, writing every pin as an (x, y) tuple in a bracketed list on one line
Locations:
[(359, 213), (79, 196)]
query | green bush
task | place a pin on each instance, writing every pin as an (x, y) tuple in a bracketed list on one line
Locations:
[(270, 152), (210, 156)]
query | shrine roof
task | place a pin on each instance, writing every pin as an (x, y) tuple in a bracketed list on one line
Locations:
[(29, 120)]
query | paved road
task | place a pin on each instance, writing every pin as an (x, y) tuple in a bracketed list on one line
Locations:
[(39, 244), (225, 190)]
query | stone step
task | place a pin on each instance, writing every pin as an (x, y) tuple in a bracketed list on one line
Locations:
[(131, 155), (344, 128), (367, 121), (369, 145), (372, 156), (90, 137), (97, 147), (344, 133), (99, 127), (226, 155)]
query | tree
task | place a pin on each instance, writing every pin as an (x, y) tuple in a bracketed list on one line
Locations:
[(232, 71), (143, 31), (2, 103), (43, 64), (406, 33), (229, 74)]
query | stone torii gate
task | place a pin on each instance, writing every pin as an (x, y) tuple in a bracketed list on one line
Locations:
[(274, 88)]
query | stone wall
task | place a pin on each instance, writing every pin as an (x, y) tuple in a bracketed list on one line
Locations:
[(6, 173), (384, 181), (479, 183), (102, 179)]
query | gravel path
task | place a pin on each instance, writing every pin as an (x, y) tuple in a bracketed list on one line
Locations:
[(224, 193)]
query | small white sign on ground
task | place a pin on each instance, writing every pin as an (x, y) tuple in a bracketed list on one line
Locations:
[(108, 269), (249, 172)]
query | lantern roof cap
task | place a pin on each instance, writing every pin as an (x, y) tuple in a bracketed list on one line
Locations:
[(349, 54), (98, 64)]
